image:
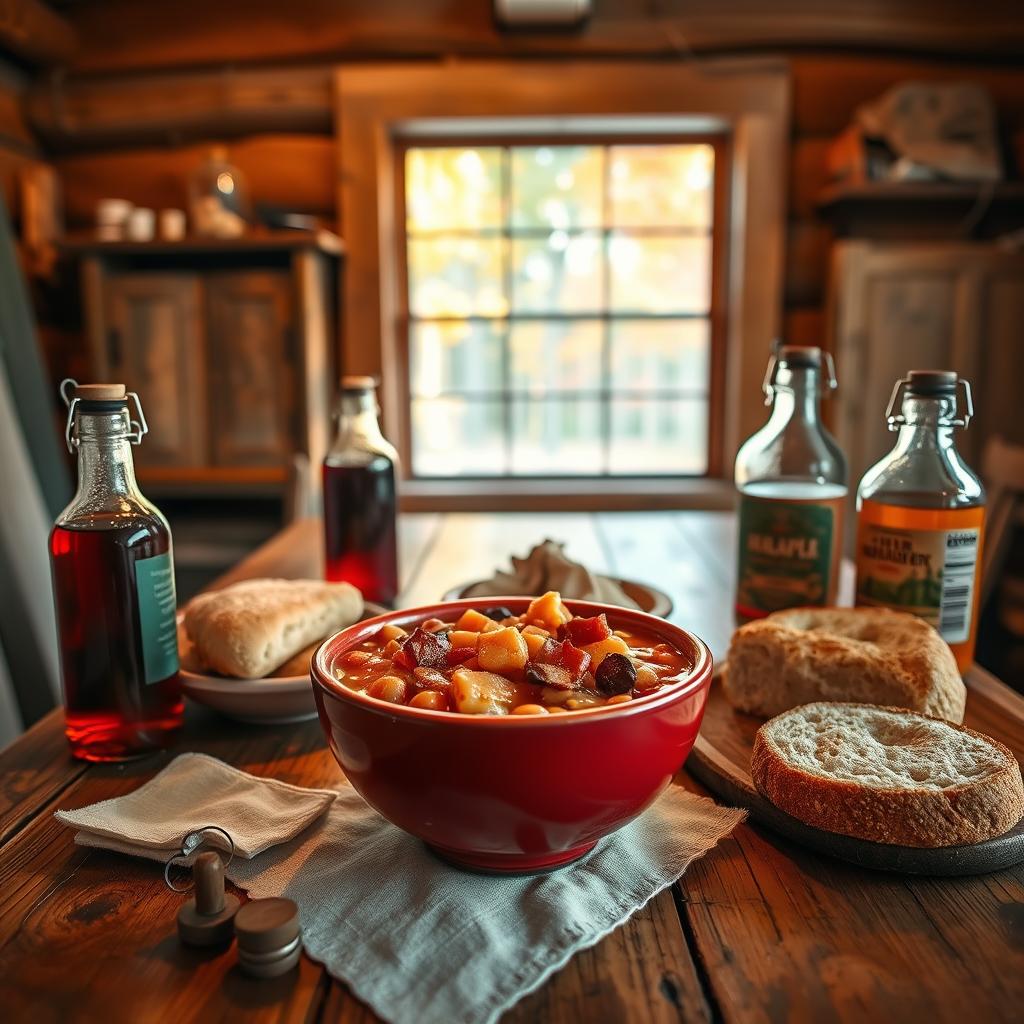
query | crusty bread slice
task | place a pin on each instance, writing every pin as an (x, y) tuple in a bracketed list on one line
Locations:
[(249, 628), (868, 655), (888, 775)]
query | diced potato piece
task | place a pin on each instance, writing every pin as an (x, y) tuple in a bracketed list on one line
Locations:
[(609, 645), (473, 620), (535, 630), (535, 642), (481, 693), (464, 638), (389, 632), (548, 611), (504, 650)]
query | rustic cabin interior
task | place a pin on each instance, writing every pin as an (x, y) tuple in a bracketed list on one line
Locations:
[(646, 304)]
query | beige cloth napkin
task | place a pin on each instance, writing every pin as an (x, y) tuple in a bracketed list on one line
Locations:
[(546, 568), (195, 790)]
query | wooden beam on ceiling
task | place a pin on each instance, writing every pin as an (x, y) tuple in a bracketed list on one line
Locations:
[(76, 114), (32, 32)]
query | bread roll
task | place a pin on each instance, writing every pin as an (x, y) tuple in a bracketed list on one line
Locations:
[(867, 655), (887, 775), (249, 628)]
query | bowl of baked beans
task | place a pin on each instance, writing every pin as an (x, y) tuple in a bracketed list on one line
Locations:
[(511, 734)]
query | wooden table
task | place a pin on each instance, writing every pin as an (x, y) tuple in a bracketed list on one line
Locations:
[(758, 930)]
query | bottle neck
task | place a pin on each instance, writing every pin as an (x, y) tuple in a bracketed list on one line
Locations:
[(358, 427), (926, 425), (105, 463), (796, 395)]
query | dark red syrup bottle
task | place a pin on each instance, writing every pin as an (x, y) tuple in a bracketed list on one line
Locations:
[(113, 586), (360, 498)]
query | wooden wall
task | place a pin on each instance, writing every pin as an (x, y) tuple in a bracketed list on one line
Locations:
[(151, 86)]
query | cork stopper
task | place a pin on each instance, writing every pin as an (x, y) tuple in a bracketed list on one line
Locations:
[(269, 943), (208, 919), (358, 383), (100, 392)]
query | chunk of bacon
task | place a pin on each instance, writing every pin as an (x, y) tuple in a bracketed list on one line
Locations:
[(423, 649), (581, 632), (558, 664)]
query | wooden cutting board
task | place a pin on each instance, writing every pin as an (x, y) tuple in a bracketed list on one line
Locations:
[(720, 759)]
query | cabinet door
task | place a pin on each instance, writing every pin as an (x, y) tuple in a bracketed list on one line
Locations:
[(154, 346), (252, 389), (903, 306)]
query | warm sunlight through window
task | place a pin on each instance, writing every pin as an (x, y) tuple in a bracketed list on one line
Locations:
[(559, 302)]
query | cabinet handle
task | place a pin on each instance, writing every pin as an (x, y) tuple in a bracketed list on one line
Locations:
[(114, 346)]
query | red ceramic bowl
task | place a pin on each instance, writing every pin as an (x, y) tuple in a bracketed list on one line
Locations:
[(510, 793)]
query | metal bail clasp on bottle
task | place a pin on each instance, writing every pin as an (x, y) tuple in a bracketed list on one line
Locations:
[(895, 419), (73, 393), (772, 371)]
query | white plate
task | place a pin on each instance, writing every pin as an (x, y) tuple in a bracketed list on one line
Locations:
[(274, 701)]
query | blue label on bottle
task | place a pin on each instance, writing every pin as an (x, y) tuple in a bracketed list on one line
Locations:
[(154, 581)]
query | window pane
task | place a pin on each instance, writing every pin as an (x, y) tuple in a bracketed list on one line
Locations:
[(661, 186), (660, 355), (660, 275), (556, 436), (456, 277), (557, 274), (457, 437), (555, 355), (557, 187), (453, 189), (658, 435), (459, 356)]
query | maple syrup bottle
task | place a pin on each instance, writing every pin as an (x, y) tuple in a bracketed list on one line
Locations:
[(921, 514), (791, 477), (113, 586), (360, 498)]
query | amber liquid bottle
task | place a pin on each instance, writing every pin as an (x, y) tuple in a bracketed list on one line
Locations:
[(921, 514), (791, 479), (361, 499), (113, 585)]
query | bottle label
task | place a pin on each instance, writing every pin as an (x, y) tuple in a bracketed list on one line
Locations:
[(930, 573), (154, 582), (785, 554)]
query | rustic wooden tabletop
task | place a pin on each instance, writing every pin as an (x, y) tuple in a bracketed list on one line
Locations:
[(760, 929)]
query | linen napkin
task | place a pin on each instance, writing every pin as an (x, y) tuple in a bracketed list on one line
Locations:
[(192, 791), (546, 568), (425, 943)]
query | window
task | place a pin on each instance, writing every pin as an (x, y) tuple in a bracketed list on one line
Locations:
[(559, 308)]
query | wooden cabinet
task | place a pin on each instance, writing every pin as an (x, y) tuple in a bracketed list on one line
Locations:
[(898, 306), (230, 346), (153, 342), (252, 360)]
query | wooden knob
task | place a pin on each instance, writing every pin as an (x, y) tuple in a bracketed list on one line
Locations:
[(208, 873), (208, 920)]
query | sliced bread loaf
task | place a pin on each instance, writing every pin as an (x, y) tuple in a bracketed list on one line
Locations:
[(868, 655), (888, 775)]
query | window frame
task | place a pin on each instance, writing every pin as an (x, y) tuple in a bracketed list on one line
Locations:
[(716, 316), (747, 99)]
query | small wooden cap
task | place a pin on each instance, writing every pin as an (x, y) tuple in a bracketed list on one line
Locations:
[(263, 926), (100, 392)]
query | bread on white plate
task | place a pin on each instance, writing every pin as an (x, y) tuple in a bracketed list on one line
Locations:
[(250, 628), (867, 655), (887, 775)]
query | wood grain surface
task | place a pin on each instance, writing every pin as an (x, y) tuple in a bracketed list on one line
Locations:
[(758, 930)]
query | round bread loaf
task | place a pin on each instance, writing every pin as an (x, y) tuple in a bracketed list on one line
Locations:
[(867, 655), (887, 775)]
